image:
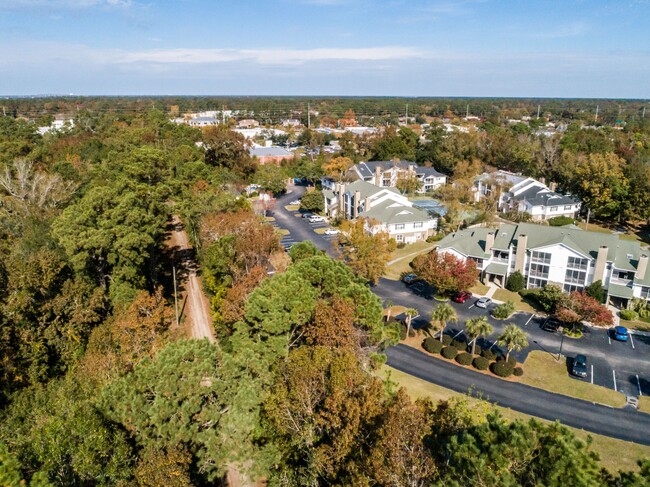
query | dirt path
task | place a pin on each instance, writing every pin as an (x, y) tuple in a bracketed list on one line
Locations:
[(196, 305)]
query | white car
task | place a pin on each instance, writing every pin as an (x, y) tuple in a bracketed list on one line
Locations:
[(332, 231), (295, 202), (483, 302), (316, 219)]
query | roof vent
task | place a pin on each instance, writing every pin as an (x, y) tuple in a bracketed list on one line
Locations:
[(503, 234), (630, 256)]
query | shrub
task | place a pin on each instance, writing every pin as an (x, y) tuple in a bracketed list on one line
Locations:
[(629, 314), (446, 340), (560, 221), (449, 352), (503, 311), (432, 345), (518, 371), (596, 291), (478, 350), (481, 363), (512, 362), (516, 282), (464, 358), (459, 344), (502, 369), (435, 237), (401, 245), (489, 354), (402, 331)]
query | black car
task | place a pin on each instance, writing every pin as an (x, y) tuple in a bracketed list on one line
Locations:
[(579, 368), (409, 279), (551, 324)]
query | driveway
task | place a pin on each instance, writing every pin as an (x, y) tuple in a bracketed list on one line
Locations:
[(624, 367)]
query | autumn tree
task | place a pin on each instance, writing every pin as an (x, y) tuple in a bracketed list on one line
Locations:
[(338, 167), (408, 183), (366, 253), (579, 306), (445, 271), (228, 149)]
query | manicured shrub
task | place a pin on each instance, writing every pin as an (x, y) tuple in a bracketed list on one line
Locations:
[(477, 351), (402, 331), (489, 354), (449, 352), (401, 245), (511, 360), (503, 311), (446, 340), (518, 371), (464, 358), (502, 369), (516, 282), (629, 314), (481, 363), (432, 345), (461, 345), (560, 221)]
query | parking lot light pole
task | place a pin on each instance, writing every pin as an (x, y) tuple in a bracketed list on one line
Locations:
[(561, 330)]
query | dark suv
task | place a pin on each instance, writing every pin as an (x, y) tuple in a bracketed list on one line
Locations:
[(579, 368), (551, 324)]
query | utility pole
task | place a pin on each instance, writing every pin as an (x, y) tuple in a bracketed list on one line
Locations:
[(539, 107), (467, 111), (407, 114), (588, 215), (4, 111), (223, 114), (308, 117), (596, 119), (642, 115), (175, 293)]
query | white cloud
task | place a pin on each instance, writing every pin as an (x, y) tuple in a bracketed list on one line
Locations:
[(62, 4)]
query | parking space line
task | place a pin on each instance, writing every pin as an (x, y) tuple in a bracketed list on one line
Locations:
[(638, 385), (531, 317), (609, 338), (493, 344), (471, 306), (592, 373), (632, 340), (461, 331), (614, 375)]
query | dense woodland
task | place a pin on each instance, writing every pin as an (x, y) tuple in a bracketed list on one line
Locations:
[(99, 387)]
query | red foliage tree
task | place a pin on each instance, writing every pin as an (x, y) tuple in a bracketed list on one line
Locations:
[(445, 271), (585, 308)]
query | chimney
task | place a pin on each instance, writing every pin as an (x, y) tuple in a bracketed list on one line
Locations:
[(601, 262), (355, 204), (552, 186), (642, 267), (366, 204), (520, 254), (489, 242), (378, 175), (342, 201)]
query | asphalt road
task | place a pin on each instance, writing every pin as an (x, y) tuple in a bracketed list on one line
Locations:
[(625, 424), (624, 367)]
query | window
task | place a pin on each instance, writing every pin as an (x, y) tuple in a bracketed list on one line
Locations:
[(539, 270), (399, 238), (578, 263), (385, 182), (575, 277), (645, 292), (569, 288), (399, 226), (541, 257), (417, 225), (536, 283), (567, 207), (553, 208)]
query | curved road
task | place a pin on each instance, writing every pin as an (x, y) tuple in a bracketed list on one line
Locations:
[(625, 424)]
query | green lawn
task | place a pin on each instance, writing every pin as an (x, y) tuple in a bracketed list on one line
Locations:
[(520, 305), (401, 258), (479, 289), (636, 325), (414, 248), (541, 370), (644, 404), (394, 271), (292, 207), (615, 454)]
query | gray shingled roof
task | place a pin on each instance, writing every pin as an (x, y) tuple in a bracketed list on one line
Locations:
[(269, 151), (391, 212)]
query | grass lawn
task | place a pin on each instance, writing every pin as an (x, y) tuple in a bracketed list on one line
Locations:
[(395, 310), (292, 207), (283, 231), (269, 219), (401, 258), (478, 288), (320, 231), (615, 454), (412, 249), (543, 371), (520, 305), (394, 271), (644, 404)]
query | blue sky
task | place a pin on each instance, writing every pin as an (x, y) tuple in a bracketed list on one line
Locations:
[(545, 48)]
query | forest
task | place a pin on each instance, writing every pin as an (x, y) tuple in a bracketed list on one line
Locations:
[(99, 386)]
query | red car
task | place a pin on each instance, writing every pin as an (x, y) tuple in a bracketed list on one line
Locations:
[(462, 296)]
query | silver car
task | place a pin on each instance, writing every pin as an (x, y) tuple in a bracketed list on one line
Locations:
[(483, 302)]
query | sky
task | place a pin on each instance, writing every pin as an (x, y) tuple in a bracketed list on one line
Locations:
[(505, 48)]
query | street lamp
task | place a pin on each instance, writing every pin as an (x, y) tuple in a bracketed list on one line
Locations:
[(561, 330)]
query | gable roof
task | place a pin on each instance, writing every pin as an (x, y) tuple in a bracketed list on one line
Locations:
[(367, 169), (391, 212), (367, 190), (272, 151)]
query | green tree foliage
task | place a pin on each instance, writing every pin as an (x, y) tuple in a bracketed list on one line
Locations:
[(313, 201), (442, 315), (228, 149), (271, 178), (501, 453), (391, 144), (516, 282), (513, 338), (596, 291), (477, 328)]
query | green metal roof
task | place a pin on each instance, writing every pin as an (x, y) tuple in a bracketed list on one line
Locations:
[(497, 269), (391, 212), (620, 291)]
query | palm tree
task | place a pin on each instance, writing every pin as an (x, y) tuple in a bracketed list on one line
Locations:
[(476, 328), (442, 315), (410, 314), (513, 338), (389, 309)]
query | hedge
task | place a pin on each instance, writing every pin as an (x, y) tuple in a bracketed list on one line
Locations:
[(478, 350), (518, 371), (446, 340), (460, 345), (449, 352), (432, 345), (481, 363), (629, 314), (489, 354), (464, 358), (503, 311), (512, 361), (502, 369)]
